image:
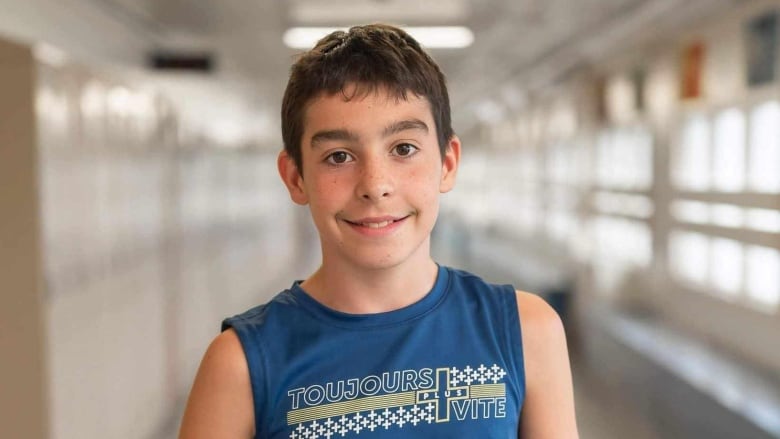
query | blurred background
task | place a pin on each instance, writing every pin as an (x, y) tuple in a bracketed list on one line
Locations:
[(621, 159)]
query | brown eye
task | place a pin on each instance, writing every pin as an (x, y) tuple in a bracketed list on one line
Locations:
[(405, 149), (338, 157)]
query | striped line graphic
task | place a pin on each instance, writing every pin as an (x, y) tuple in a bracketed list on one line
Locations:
[(487, 390), (347, 407)]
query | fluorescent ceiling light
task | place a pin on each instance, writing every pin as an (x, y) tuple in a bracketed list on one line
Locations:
[(434, 37), (312, 12)]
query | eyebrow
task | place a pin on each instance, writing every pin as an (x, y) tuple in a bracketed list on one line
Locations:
[(349, 136), (333, 135), (403, 125)]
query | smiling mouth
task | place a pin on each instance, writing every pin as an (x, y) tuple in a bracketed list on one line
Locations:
[(376, 224)]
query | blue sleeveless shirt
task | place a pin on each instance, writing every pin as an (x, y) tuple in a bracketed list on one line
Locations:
[(447, 366)]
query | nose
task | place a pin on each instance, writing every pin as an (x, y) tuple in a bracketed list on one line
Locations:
[(376, 180)]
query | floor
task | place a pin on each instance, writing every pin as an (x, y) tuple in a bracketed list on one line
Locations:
[(603, 413)]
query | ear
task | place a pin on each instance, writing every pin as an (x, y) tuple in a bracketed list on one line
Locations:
[(292, 178), (449, 166)]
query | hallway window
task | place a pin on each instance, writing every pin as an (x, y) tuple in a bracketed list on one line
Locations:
[(728, 172), (763, 220), (726, 267), (688, 256), (641, 157), (622, 241), (727, 215), (764, 157), (694, 212), (564, 164), (624, 159), (616, 203), (691, 159), (619, 246), (763, 277)]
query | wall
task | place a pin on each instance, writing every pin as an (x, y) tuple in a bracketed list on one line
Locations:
[(23, 387), (150, 237)]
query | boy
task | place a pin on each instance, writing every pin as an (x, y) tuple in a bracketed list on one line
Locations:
[(380, 341)]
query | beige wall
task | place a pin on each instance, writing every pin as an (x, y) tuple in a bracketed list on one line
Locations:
[(23, 408), (122, 247), (149, 239)]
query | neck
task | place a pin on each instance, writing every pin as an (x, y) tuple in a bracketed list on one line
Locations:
[(360, 290)]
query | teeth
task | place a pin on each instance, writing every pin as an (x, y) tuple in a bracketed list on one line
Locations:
[(376, 225)]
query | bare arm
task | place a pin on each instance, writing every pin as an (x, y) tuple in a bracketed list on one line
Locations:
[(220, 405), (548, 409)]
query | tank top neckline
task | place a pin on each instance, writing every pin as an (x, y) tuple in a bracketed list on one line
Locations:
[(375, 320)]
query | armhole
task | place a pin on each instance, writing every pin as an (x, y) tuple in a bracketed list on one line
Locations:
[(514, 339), (255, 358)]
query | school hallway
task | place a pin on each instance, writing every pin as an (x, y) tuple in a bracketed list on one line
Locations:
[(620, 158)]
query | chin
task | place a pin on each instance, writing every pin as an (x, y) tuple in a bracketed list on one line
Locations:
[(379, 262), (383, 258)]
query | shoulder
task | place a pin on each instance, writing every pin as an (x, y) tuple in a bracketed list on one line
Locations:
[(220, 402), (548, 410), (543, 335), (226, 353), (537, 317)]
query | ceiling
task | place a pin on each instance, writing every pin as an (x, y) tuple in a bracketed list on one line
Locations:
[(518, 43)]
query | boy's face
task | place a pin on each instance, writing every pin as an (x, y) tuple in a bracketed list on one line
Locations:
[(372, 175)]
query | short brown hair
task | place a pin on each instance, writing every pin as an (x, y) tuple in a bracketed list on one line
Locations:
[(371, 57)]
